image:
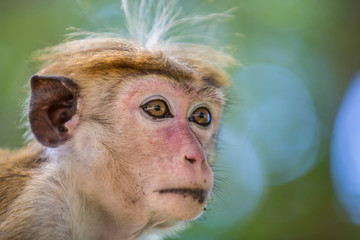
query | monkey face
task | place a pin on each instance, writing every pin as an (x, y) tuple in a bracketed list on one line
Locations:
[(173, 127), (158, 159)]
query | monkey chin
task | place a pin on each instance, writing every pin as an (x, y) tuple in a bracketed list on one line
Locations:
[(182, 204)]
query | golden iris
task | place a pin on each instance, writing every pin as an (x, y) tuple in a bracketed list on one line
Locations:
[(156, 108), (201, 116)]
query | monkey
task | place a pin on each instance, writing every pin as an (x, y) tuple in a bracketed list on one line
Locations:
[(123, 139)]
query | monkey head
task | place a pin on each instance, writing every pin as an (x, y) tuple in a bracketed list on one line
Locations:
[(134, 129)]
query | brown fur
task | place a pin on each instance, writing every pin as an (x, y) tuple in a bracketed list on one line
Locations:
[(106, 56), (16, 169)]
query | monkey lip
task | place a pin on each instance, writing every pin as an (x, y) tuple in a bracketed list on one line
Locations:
[(197, 193)]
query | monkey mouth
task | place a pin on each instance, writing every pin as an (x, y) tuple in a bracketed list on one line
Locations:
[(197, 194)]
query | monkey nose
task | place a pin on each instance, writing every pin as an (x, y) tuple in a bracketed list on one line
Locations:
[(193, 153), (191, 160), (198, 168), (197, 158)]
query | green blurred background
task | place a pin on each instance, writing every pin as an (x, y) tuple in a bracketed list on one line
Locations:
[(298, 56)]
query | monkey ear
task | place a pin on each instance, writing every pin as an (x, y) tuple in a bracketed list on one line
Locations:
[(53, 102)]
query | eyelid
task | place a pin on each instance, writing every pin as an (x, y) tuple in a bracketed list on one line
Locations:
[(197, 106), (156, 97)]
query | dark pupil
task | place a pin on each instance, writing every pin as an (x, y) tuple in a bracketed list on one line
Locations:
[(201, 115), (157, 107)]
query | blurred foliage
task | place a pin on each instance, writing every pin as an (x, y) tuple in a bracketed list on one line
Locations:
[(312, 43)]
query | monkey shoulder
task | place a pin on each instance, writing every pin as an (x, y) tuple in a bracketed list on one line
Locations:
[(16, 169)]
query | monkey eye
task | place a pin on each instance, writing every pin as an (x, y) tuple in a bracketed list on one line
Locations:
[(201, 116), (157, 109)]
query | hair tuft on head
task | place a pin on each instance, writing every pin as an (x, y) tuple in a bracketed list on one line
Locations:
[(157, 23), (160, 40)]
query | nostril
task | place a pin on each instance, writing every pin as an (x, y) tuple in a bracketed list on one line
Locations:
[(190, 160)]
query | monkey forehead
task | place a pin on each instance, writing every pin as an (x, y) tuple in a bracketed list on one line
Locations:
[(110, 56), (192, 90)]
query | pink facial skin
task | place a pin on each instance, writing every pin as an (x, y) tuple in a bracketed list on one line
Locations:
[(180, 148)]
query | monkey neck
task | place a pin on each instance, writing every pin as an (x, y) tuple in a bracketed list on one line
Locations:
[(82, 210), (83, 214)]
